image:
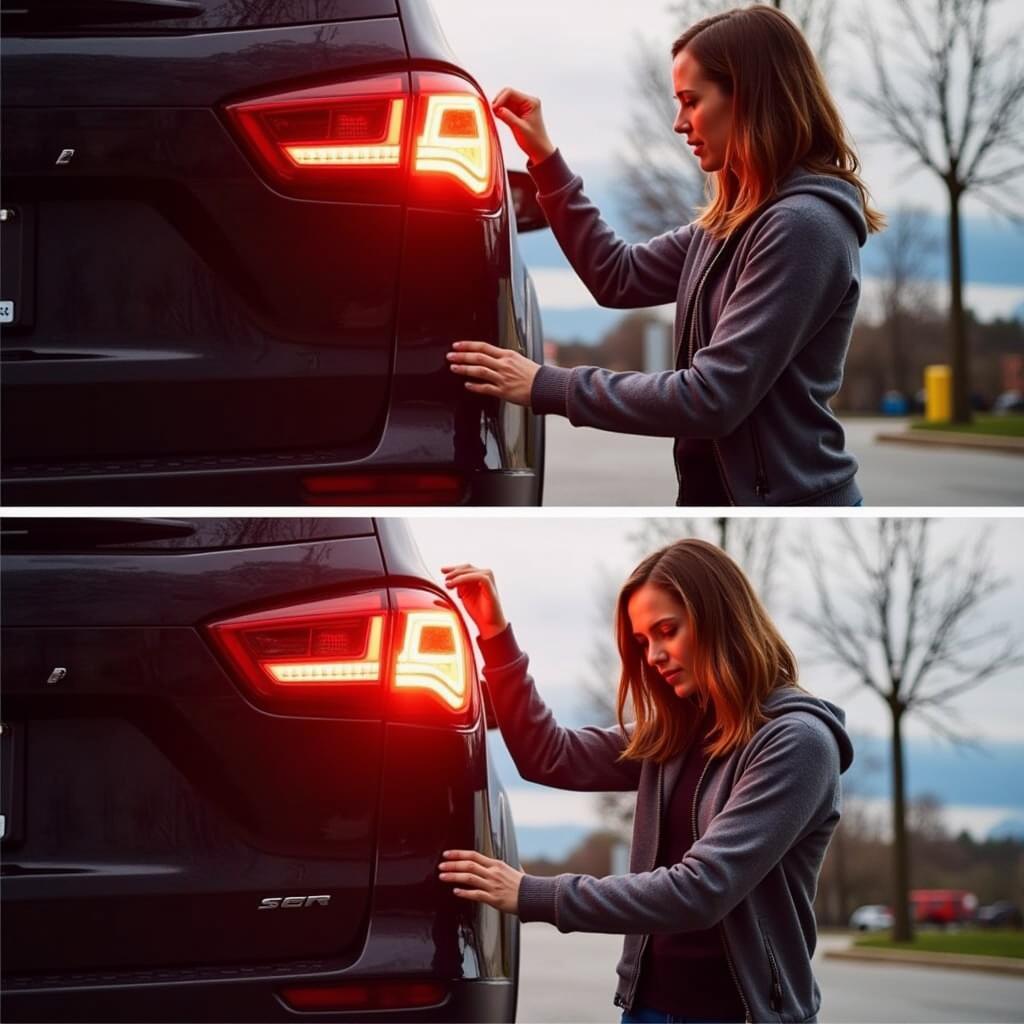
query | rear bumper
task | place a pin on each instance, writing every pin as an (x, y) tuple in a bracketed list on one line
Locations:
[(249, 1000), (227, 483)]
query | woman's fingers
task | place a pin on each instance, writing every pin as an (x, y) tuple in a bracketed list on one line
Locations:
[(490, 390)]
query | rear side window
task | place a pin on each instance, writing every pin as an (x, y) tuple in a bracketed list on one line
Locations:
[(161, 16)]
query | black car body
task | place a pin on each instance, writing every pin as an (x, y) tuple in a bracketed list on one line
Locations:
[(239, 239), (234, 753)]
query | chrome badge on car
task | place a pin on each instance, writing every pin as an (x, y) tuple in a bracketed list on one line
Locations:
[(65, 157), (293, 902)]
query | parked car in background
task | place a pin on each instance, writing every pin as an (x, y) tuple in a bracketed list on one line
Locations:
[(234, 751), (239, 239), (874, 917), (1001, 914), (1008, 402), (943, 906)]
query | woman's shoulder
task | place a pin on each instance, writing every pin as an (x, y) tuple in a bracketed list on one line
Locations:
[(805, 201)]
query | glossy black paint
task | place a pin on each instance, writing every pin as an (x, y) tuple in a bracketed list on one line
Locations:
[(197, 336), (163, 803)]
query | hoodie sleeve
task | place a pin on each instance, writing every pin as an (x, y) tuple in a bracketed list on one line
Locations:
[(617, 274), (581, 759), (796, 275), (789, 786)]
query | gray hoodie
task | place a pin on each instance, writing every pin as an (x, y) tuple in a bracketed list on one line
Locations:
[(757, 365), (763, 817)]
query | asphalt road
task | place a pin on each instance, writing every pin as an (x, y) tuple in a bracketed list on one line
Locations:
[(591, 467), (572, 978)]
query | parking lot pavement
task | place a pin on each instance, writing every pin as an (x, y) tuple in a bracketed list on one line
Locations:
[(572, 978), (594, 468)]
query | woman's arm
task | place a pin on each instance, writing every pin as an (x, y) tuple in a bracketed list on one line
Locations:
[(796, 276), (582, 759), (617, 274), (545, 752), (789, 786)]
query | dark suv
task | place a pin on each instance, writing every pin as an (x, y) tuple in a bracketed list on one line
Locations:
[(234, 751), (239, 238)]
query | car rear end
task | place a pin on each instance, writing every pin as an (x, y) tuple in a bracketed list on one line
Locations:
[(233, 753), (238, 240)]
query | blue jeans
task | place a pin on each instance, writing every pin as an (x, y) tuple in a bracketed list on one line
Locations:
[(639, 1015)]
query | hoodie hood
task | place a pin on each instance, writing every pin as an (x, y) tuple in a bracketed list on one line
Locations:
[(787, 699), (839, 193)]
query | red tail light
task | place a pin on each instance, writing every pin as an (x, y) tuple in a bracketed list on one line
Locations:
[(351, 140), (367, 996), (409, 649)]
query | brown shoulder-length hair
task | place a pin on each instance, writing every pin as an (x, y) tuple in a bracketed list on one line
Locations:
[(783, 113), (739, 656)]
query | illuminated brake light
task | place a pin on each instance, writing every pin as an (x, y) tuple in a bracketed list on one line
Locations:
[(456, 141), (323, 647), (432, 656), (405, 648), (387, 154), (362, 669), (302, 135)]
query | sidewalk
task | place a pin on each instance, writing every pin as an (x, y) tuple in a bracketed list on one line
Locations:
[(951, 439), (949, 961)]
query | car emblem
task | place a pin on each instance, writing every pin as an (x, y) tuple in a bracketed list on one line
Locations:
[(65, 157), (56, 676), (293, 902)]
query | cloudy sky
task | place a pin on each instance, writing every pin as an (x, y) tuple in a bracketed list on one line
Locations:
[(577, 56)]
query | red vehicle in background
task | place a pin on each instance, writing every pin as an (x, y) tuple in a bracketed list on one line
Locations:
[(943, 906)]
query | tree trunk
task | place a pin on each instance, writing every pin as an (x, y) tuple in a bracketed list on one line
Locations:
[(903, 926), (957, 322)]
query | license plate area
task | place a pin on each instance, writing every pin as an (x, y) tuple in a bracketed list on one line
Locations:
[(12, 766), (17, 266)]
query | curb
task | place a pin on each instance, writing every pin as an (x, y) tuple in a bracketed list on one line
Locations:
[(951, 961), (948, 439)]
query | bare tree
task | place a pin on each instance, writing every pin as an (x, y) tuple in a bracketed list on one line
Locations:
[(906, 294), (900, 619), (956, 106), (660, 185)]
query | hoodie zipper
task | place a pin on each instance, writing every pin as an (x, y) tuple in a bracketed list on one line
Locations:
[(628, 1003), (761, 483), (694, 314), (725, 941), (776, 997)]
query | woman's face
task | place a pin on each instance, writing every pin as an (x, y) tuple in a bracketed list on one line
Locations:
[(661, 628), (705, 112)]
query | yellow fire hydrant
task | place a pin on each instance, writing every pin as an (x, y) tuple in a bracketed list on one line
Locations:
[(938, 394)]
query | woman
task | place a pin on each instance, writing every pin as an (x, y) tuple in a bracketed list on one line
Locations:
[(766, 281), (736, 770)]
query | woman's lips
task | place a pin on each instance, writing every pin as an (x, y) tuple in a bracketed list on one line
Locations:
[(671, 677)]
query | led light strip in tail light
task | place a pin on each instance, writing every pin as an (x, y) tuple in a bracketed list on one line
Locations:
[(325, 154), (410, 643), (456, 141)]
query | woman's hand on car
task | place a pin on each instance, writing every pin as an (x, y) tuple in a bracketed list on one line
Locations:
[(482, 878), (479, 596), (498, 372), (523, 115)]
